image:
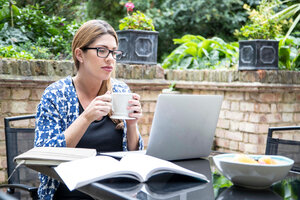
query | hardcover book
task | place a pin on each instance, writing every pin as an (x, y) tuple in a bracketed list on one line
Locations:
[(53, 156)]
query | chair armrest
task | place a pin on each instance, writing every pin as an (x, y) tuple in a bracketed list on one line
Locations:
[(11, 188)]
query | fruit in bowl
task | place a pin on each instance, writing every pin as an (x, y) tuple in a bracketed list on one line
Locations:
[(244, 159), (267, 160), (253, 171), (262, 160)]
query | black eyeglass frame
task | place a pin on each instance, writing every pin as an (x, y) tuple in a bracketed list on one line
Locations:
[(109, 51)]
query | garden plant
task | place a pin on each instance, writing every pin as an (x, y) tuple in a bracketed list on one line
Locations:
[(29, 33), (264, 24), (43, 29), (136, 20), (197, 52)]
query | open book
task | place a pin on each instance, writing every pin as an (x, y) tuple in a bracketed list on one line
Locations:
[(137, 167), (53, 156)]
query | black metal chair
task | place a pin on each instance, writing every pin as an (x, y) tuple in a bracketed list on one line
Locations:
[(23, 182), (288, 148)]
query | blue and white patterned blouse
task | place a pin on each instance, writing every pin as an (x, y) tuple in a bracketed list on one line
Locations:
[(56, 111)]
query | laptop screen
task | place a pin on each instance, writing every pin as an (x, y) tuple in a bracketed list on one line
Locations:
[(183, 126)]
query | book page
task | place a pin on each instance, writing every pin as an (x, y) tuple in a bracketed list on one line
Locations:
[(148, 166), (81, 172)]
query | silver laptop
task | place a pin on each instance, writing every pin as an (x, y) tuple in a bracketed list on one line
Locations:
[(183, 127)]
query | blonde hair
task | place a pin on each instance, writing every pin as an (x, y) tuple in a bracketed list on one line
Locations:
[(86, 35)]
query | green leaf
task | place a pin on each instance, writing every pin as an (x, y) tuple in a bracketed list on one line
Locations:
[(206, 44), (296, 62), (205, 53), (284, 56), (53, 31), (195, 63), (191, 49), (186, 62), (293, 25), (185, 39), (287, 12), (16, 10), (4, 12)]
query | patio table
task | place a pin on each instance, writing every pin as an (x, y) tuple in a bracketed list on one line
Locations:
[(177, 187)]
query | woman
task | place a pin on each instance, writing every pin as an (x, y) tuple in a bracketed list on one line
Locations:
[(75, 111)]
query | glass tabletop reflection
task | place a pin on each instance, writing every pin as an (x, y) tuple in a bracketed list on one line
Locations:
[(176, 187)]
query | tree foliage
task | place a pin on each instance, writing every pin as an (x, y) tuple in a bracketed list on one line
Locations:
[(28, 28), (44, 28), (293, 10), (176, 18), (67, 9), (261, 25), (109, 10)]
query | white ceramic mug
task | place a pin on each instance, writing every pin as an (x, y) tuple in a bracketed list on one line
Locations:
[(120, 104)]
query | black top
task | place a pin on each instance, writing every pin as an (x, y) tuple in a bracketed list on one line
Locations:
[(101, 135)]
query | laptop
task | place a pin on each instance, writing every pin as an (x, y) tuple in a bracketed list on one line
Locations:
[(183, 127)]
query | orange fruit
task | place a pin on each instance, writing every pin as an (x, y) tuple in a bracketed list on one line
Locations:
[(244, 159), (267, 160)]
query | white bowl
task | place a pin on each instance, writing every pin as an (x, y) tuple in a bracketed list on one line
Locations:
[(256, 176)]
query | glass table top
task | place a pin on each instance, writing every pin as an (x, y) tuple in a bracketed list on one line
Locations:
[(175, 187)]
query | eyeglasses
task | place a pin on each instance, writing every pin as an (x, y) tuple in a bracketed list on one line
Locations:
[(103, 52)]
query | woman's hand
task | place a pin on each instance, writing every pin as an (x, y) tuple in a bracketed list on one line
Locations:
[(98, 108), (135, 109), (132, 132)]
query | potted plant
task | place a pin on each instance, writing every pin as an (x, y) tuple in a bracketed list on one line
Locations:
[(137, 38), (259, 51)]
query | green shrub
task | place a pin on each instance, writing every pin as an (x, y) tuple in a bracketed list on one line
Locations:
[(36, 51), (196, 52), (175, 18), (51, 32), (261, 24), (11, 36), (14, 52), (63, 8), (289, 54), (45, 37)]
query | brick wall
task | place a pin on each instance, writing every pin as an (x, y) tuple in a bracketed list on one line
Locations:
[(253, 100)]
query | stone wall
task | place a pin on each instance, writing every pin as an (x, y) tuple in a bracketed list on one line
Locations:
[(253, 100)]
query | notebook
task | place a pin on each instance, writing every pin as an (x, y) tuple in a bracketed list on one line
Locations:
[(183, 127)]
